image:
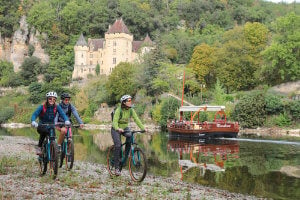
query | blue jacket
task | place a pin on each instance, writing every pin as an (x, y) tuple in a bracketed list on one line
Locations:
[(49, 115), (65, 108)]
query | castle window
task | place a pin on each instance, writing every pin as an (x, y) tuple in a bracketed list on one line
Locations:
[(91, 62), (114, 61), (82, 55), (114, 51), (91, 55), (115, 43)]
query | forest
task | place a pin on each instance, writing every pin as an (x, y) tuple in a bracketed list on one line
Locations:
[(231, 52)]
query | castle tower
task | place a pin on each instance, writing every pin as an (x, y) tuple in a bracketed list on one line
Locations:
[(81, 54), (118, 45)]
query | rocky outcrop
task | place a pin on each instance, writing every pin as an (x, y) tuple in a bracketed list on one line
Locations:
[(16, 49)]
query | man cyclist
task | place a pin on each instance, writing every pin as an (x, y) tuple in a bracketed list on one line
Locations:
[(121, 120), (46, 113), (68, 109)]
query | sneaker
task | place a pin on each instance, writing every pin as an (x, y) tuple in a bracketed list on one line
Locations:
[(38, 151), (117, 172)]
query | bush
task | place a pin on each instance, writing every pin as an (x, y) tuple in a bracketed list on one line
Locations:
[(5, 114), (282, 120), (294, 109), (250, 110), (168, 110), (274, 104)]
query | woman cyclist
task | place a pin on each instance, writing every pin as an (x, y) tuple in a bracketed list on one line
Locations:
[(68, 109), (46, 113), (121, 120)]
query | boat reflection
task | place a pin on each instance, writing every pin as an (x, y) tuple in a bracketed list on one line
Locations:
[(205, 154)]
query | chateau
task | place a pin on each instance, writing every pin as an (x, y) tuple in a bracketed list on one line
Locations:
[(117, 46)]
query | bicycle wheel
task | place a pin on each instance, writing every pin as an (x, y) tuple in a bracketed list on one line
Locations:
[(110, 160), (70, 155), (53, 159), (137, 165), (43, 161), (62, 154)]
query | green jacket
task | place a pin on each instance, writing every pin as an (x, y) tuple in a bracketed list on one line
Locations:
[(124, 121)]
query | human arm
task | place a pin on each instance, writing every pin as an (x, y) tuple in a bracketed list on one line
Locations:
[(36, 113), (137, 120), (76, 115)]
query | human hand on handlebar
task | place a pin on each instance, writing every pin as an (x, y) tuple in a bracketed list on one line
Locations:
[(81, 125), (120, 130), (34, 124)]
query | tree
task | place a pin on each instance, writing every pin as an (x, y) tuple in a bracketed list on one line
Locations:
[(122, 81), (97, 69), (9, 17), (202, 64), (30, 68), (282, 57)]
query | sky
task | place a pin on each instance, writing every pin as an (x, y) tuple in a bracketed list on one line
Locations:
[(287, 1)]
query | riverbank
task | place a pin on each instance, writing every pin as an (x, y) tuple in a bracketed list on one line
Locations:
[(20, 179)]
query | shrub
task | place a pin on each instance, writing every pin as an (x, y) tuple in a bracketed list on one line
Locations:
[(274, 104), (5, 114), (282, 120), (294, 109), (250, 110), (168, 110)]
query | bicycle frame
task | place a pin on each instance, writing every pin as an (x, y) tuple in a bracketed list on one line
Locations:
[(50, 137)]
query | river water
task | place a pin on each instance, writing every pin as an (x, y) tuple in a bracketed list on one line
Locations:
[(264, 168)]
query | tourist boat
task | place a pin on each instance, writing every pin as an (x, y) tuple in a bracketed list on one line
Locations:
[(219, 127)]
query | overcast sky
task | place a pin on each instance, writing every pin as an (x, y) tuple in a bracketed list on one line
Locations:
[(287, 1)]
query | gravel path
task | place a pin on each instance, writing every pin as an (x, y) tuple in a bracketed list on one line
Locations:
[(20, 179)]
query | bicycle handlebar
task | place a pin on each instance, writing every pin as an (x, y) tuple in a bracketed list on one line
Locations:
[(141, 131), (61, 123)]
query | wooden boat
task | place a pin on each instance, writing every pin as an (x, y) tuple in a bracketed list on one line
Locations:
[(219, 127)]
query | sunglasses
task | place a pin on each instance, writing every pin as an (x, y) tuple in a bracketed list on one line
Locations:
[(52, 99), (66, 99), (129, 100)]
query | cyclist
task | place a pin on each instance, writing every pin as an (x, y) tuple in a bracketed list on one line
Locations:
[(68, 109), (46, 113), (121, 120)]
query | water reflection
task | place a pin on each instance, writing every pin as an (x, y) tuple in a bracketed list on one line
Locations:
[(206, 155)]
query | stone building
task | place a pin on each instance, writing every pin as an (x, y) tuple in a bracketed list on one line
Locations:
[(116, 46)]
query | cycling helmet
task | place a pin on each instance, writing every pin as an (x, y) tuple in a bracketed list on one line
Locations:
[(65, 95), (51, 94), (125, 97)]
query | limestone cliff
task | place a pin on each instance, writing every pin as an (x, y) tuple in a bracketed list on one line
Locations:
[(15, 49)]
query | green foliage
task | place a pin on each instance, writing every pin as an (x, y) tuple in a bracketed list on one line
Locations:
[(30, 68), (250, 110), (122, 81), (9, 17), (219, 94), (30, 50), (7, 75), (282, 120), (294, 109), (168, 111), (282, 57), (5, 114), (274, 104), (36, 94), (97, 69)]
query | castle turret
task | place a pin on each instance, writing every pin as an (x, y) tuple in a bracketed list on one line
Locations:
[(81, 54)]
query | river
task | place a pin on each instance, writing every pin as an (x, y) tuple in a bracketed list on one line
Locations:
[(264, 168)]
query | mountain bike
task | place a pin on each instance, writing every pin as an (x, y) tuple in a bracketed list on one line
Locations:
[(137, 160), (67, 149), (49, 152)]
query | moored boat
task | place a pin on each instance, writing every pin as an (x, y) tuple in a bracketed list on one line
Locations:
[(219, 127)]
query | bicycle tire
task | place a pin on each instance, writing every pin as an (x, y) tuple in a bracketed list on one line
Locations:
[(110, 160), (53, 159), (70, 155), (137, 165), (43, 161), (62, 154)]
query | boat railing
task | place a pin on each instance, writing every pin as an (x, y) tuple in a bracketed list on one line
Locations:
[(195, 125)]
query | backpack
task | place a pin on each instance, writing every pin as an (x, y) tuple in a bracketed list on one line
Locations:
[(114, 110), (45, 109)]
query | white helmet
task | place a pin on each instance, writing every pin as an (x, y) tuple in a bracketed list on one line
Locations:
[(125, 97), (51, 94)]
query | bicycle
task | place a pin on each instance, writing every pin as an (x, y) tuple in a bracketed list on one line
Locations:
[(67, 149), (49, 152), (137, 160)]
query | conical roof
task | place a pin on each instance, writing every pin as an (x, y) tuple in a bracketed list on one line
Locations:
[(118, 27), (81, 41)]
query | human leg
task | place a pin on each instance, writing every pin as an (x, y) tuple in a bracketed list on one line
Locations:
[(61, 135), (117, 143)]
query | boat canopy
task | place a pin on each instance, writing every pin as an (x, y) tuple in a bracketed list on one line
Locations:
[(197, 108)]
